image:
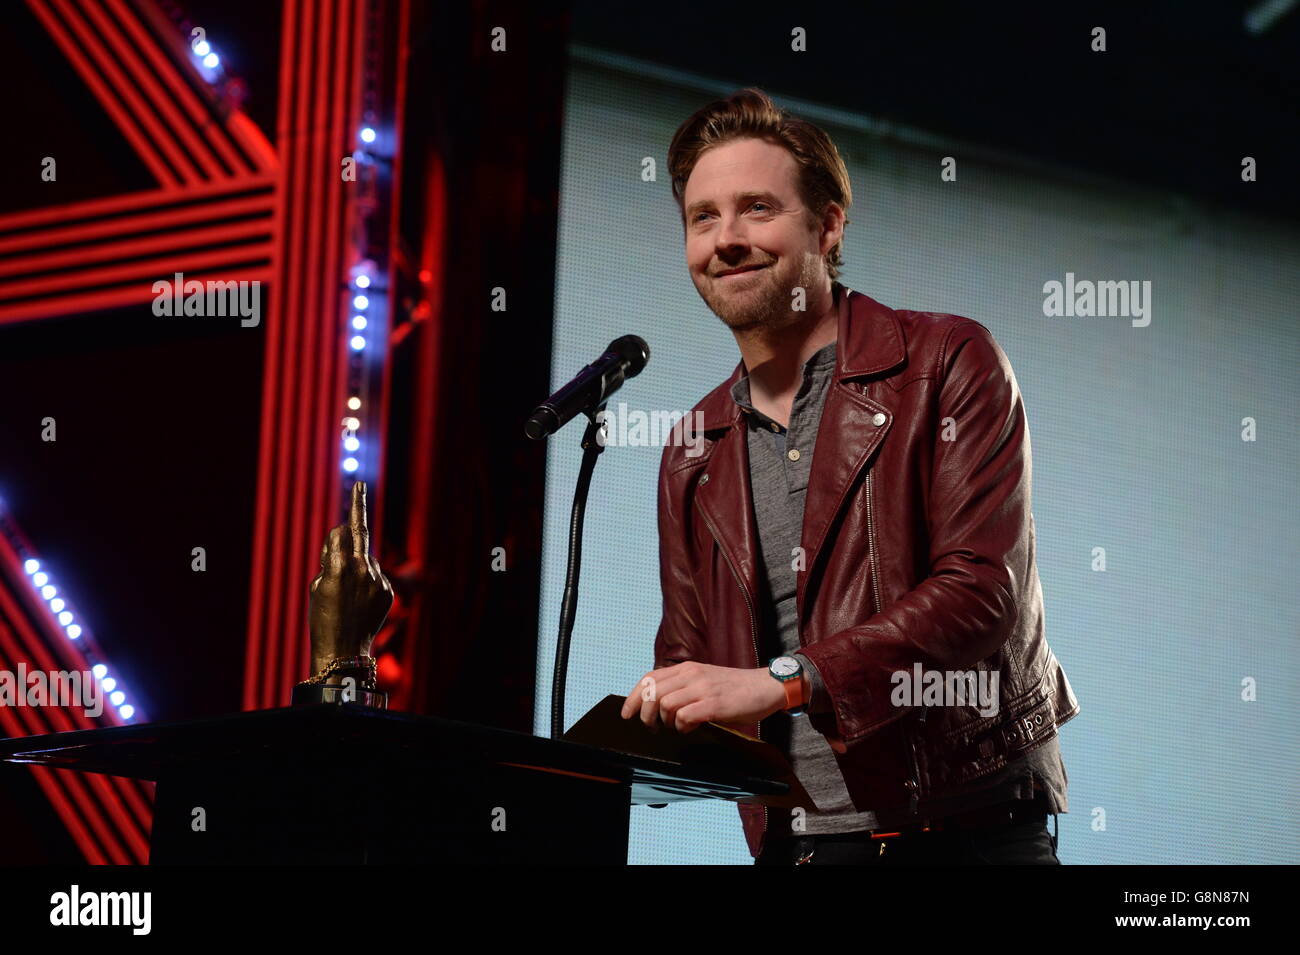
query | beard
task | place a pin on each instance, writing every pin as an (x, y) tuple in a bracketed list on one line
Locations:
[(763, 301)]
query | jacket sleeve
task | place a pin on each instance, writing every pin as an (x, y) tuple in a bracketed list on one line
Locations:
[(818, 701), (682, 628), (981, 549)]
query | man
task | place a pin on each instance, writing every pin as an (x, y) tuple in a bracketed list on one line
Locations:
[(873, 609)]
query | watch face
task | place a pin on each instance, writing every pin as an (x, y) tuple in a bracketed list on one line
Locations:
[(784, 666)]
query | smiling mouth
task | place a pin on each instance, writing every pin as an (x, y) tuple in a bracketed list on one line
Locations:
[(731, 275)]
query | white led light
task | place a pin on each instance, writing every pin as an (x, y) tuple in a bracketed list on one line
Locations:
[(202, 48), (352, 424), (349, 464), (59, 609), (360, 303), (351, 444), (354, 402), (363, 281), (358, 343), (211, 61), (367, 134), (359, 322)]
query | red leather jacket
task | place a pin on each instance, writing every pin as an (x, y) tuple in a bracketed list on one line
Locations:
[(919, 548)]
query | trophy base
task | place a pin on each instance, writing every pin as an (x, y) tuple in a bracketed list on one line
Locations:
[(338, 693)]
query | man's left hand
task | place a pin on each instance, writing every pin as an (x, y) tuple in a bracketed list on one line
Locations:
[(689, 694)]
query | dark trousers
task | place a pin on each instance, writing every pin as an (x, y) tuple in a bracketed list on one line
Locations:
[(1024, 842)]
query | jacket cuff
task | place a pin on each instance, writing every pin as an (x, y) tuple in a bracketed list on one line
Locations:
[(820, 701)]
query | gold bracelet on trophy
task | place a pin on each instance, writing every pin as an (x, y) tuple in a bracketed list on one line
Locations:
[(363, 661)]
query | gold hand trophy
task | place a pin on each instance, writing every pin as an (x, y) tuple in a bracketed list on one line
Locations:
[(349, 600)]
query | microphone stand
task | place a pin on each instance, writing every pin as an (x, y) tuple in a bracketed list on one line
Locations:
[(591, 451)]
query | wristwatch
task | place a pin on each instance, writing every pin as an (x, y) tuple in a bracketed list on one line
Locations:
[(789, 672)]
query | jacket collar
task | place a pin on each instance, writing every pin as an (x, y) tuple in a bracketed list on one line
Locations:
[(869, 340)]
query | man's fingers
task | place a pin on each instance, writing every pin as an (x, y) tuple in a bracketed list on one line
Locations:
[(632, 702), (650, 712), (357, 521), (659, 711), (647, 688), (652, 687), (688, 718), (670, 704)]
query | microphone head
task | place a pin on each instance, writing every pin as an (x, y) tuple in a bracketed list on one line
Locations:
[(633, 350), (542, 423)]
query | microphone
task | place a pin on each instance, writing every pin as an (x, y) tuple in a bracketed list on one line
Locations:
[(591, 387)]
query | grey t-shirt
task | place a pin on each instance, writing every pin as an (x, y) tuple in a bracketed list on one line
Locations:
[(779, 487)]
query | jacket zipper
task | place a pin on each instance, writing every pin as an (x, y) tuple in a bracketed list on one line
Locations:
[(753, 627), (871, 542)]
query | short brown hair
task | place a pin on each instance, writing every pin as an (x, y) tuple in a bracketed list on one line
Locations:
[(751, 114)]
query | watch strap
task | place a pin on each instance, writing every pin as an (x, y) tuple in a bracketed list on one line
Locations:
[(794, 694)]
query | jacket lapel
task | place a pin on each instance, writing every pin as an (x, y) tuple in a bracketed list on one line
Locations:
[(870, 340), (726, 501)]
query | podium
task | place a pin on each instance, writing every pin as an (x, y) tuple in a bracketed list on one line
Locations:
[(348, 784)]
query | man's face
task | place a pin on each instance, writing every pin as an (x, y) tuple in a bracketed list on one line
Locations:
[(743, 210)]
